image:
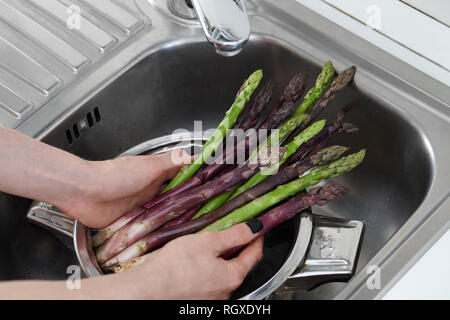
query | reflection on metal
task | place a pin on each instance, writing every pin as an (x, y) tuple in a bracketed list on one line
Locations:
[(395, 196), (332, 255), (225, 24), (41, 54), (51, 218)]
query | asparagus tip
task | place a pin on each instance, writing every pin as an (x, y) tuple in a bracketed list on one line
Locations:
[(328, 192), (256, 76), (328, 154)]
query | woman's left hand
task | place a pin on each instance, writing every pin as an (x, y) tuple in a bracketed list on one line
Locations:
[(120, 185)]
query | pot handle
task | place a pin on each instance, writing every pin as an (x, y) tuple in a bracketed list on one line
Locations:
[(50, 218), (332, 255)]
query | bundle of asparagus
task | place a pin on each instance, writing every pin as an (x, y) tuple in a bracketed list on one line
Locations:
[(214, 195), (183, 181)]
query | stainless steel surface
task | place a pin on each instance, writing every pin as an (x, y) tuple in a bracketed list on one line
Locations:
[(296, 256), (323, 250), (332, 254), (48, 45), (82, 235), (326, 239), (225, 24), (169, 77), (50, 217)]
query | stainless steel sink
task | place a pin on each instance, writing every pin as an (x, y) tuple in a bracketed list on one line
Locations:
[(170, 77)]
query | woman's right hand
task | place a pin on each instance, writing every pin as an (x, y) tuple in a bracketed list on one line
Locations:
[(190, 267)]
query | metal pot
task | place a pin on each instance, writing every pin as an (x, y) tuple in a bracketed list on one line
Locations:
[(299, 254)]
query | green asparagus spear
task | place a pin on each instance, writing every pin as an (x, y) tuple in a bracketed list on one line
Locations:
[(323, 81), (227, 123), (254, 208), (284, 131), (214, 203), (291, 147)]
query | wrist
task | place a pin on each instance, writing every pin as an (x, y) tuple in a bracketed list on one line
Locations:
[(80, 186), (128, 285)]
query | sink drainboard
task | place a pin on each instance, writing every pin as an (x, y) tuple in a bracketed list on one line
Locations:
[(47, 45)]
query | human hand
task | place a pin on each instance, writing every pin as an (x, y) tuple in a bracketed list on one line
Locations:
[(190, 267), (119, 185)]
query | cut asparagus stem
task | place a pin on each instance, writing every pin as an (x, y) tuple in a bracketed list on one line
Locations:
[(252, 209), (160, 237), (102, 235), (316, 196), (217, 137), (172, 208), (128, 265), (323, 81)]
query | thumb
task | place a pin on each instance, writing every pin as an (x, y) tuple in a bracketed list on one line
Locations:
[(171, 162), (237, 235)]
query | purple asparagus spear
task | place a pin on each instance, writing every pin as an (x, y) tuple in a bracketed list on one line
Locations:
[(172, 208), (287, 103), (185, 217), (317, 196), (341, 81), (156, 239), (285, 106)]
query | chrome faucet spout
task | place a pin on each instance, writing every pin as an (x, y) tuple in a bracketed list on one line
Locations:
[(225, 23)]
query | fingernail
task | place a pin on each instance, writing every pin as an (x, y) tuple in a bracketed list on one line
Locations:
[(255, 225)]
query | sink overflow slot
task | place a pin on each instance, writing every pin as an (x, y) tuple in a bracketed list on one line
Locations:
[(74, 133)]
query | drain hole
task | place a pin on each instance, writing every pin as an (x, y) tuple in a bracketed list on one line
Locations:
[(97, 115), (90, 120), (69, 136), (76, 131)]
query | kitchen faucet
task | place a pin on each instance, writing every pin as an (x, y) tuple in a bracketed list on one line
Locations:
[(225, 23)]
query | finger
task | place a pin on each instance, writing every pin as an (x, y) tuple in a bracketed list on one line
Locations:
[(235, 236), (171, 162), (248, 258)]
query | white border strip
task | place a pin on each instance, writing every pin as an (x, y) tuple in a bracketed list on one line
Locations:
[(351, 15)]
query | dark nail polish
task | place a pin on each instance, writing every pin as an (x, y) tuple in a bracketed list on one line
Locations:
[(255, 225)]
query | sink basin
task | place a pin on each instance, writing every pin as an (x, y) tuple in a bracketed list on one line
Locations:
[(170, 84)]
